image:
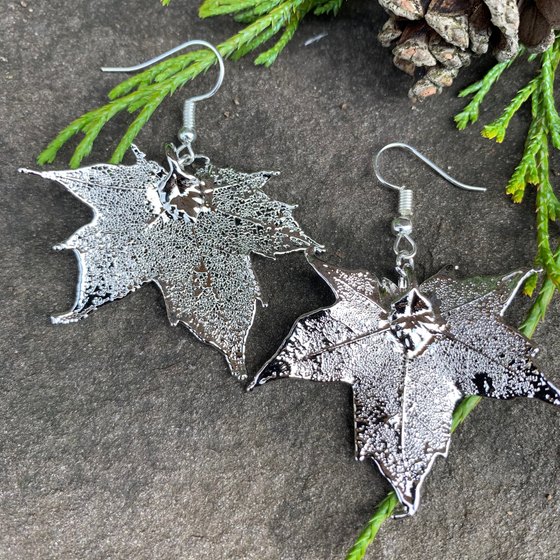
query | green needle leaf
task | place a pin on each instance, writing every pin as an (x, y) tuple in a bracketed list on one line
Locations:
[(526, 170), (497, 129), (256, 42), (219, 7), (330, 6), (134, 129), (549, 64), (268, 57), (530, 284), (538, 309), (470, 113), (463, 409)]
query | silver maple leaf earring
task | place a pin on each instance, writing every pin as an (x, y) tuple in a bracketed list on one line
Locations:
[(189, 230), (411, 352)]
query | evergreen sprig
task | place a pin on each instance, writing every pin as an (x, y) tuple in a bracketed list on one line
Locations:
[(144, 92), (538, 309), (384, 509), (470, 113), (533, 168)]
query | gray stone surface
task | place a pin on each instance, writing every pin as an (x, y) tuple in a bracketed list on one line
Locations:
[(122, 437)]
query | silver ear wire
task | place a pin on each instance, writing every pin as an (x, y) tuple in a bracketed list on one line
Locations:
[(426, 161), (187, 134), (402, 225)]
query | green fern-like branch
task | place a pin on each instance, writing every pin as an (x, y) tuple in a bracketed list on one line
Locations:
[(538, 309), (470, 113), (328, 7), (144, 92), (497, 129), (533, 168)]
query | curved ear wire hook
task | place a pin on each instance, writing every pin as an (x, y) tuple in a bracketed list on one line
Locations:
[(173, 51), (187, 134), (402, 225), (426, 161)]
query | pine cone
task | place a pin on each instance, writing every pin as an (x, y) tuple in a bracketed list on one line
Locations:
[(435, 38)]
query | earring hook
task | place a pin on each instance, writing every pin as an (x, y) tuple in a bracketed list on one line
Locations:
[(426, 161), (187, 134), (173, 51), (402, 225)]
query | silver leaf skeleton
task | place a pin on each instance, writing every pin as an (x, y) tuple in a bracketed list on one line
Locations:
[(191, 234), (410, 356)]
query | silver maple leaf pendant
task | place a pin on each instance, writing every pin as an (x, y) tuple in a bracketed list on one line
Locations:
[(410, 355), (191, 234)]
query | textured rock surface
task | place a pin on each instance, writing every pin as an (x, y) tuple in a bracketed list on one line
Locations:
[(124, 437)]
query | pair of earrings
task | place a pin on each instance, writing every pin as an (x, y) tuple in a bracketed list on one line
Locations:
[(409, 351)]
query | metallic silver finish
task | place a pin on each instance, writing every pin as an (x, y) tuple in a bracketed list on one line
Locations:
[(187, 134), (401, 225), (409, 356), (405, 258), (403, 254), (426, 161), (189, 233), (189, 117), (405, 202)]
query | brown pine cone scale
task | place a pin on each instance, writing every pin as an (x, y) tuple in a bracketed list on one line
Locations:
[(433, 39), (413, 45), (450, 19)]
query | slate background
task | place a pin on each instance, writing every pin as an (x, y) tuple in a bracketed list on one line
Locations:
[(123, 437)]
